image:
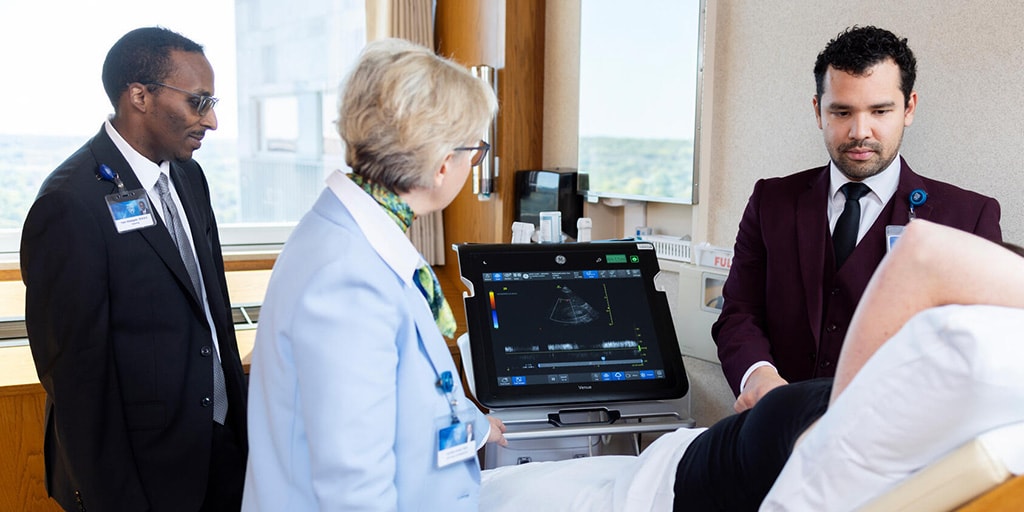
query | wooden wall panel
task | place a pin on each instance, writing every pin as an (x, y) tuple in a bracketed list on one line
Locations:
[(521, 92), (22, 485), (464, 31), (469, 31)]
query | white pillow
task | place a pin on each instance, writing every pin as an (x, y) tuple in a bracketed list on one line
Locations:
[(951, 374)]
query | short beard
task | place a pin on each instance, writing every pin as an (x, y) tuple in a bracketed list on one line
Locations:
[(860, 173)]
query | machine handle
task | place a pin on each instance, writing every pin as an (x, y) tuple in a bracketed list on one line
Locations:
[(610, 416)]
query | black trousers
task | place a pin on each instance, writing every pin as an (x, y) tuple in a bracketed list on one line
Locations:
[(227, 472), (733, 464)]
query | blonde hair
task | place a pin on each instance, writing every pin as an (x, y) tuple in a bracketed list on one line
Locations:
[(403, 109)]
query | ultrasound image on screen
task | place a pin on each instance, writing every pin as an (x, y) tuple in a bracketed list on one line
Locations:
[(561, 327)]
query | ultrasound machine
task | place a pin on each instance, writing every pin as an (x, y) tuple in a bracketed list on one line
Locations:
[(572, 346)]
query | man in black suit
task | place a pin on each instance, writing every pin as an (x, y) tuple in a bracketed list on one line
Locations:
[(128, 318)]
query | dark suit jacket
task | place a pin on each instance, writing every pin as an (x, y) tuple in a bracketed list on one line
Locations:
[(776, 308), (121, 343)]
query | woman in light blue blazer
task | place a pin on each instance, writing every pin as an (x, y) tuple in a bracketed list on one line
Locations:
[(355, 402)]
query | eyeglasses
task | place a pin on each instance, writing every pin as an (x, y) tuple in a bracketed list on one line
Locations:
[(481, 152), (200, 102)]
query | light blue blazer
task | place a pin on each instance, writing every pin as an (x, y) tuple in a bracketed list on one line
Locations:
[(344, 409)]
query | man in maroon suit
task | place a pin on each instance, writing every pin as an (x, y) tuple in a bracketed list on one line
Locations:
[(809, 242)]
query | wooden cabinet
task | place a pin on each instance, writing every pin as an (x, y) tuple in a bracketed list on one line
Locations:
[(22, 416)]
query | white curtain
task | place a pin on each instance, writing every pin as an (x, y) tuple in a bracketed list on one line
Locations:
[(412, 20)]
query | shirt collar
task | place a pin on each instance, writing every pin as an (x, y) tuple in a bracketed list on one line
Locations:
[(883, 185), (384, 235), (145, 170)]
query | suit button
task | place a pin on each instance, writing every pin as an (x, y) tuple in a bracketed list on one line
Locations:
[(826, 364), (831, 328), (835, 291), (205, 351), (206, 401)]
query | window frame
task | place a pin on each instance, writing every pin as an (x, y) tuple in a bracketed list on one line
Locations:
[(235, 238)]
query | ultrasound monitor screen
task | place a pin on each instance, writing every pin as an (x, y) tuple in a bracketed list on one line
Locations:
[(574, 326), (569, 323)]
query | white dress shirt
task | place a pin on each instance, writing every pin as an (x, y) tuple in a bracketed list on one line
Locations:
[(148, 173)]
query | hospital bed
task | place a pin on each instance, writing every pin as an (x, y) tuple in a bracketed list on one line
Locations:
[(1006, 497), (980, 475), (934, 421)]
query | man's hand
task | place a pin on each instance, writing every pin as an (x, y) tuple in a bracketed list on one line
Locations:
[(760, 382)]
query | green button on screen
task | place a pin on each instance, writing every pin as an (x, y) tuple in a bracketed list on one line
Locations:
[(615, 258)]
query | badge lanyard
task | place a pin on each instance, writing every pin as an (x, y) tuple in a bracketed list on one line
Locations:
[(446, 383), (893, 233), (455, 440)]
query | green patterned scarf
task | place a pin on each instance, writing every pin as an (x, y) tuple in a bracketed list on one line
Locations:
[(425, 280)]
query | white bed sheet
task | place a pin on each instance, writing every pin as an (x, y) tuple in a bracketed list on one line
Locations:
[(619, 483)]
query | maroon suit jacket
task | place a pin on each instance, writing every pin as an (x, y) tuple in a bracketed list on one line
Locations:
[(784, 301)]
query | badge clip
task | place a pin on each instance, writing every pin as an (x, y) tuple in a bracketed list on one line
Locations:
[(108, 174), (446, 383), (917, 198)]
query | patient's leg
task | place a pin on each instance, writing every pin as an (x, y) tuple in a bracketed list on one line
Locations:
[(734, 463), (931, 265)]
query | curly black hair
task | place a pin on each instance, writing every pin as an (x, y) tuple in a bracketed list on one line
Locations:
[(857, 49), (143, 56)]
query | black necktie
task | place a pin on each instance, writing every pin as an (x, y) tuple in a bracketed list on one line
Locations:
[(844, 237)]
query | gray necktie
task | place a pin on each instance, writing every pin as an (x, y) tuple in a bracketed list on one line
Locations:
[(177, 230)]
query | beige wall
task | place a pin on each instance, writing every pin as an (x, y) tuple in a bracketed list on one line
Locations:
[(969, 128)]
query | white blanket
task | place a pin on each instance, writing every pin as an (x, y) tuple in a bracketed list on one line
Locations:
[(595, 484)]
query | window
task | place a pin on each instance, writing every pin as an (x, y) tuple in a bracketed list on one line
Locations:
[(277, 73), (639, 78), (279, 124)]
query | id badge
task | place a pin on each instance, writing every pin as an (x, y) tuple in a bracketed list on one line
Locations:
[(892, 234), (454, 441), (130, 210)]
